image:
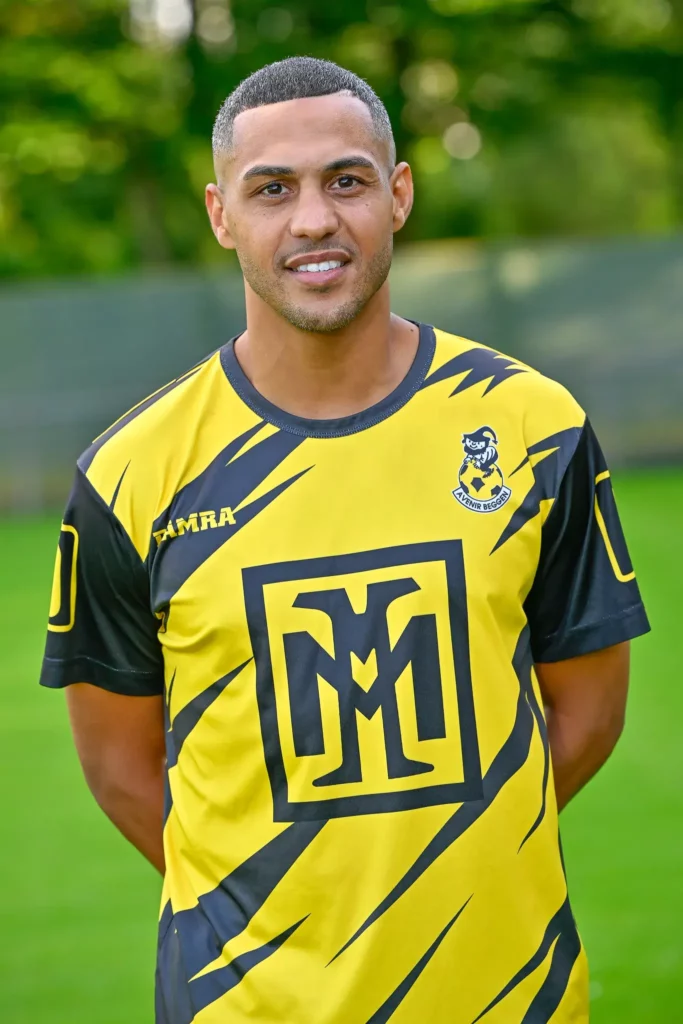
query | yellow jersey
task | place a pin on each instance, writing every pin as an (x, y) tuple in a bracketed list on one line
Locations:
[(343, 618)]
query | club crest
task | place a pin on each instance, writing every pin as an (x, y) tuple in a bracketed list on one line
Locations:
[(482, 485)]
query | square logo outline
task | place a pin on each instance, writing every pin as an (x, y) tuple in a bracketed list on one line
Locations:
[(256, 578)]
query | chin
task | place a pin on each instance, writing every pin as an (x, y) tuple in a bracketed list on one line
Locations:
[(319, 322)]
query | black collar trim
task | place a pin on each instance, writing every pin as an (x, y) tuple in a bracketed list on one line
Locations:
[(344, 425)]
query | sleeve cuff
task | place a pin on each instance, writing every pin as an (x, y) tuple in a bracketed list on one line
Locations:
[(592, 637), (56, 674)]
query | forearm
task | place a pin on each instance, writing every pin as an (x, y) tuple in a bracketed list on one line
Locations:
[(120, 744), (577, 751), (585, 704), (136, 808)]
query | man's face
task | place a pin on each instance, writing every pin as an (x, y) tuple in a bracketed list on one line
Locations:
[(308, 200)]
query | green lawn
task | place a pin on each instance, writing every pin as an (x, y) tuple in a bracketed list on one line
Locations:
[(79, 906)]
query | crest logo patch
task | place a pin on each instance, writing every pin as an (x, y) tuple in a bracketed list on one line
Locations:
[(482, 486)]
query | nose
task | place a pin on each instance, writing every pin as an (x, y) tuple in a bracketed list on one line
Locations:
[(314, 216)]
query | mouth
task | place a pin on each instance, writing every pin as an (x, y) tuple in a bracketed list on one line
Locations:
[(318, 268)]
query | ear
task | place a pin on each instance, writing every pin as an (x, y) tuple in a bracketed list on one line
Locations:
[(215, 207), (401, 184)]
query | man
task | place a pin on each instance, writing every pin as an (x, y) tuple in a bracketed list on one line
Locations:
[(321, 589)]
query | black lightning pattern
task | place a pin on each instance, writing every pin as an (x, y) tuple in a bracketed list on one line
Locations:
[(478, 364), (561, 929), (168, 796), (552, 991), (543, 733), (211, 986), (548, 475), (188, 717), (227, 481), (115, 495), (507, 762), (160, 1015), (189, 497), (390, 1005), (178, 1001), (225, 911), (172, 1003)]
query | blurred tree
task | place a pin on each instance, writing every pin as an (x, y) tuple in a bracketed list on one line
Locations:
[(520, 117)]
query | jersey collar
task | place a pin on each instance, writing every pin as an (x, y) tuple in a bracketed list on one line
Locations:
[(343, 425)]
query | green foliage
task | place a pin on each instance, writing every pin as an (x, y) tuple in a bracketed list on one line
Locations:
[(520, 117)]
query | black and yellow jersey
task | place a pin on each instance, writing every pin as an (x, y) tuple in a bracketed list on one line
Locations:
[(343, 618)]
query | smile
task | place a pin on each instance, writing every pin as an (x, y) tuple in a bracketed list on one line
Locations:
[(323, 267), (325, 272), (317, 268)]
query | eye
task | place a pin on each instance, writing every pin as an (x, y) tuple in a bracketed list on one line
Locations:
[(273, 188), (347, 181)]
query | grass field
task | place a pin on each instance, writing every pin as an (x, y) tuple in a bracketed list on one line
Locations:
[(79, 906)]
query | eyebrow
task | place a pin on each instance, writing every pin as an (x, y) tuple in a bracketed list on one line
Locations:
[(267, 171), (274, 171), (345, 162)]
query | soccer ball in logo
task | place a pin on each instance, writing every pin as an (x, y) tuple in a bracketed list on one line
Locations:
[(482, 484)]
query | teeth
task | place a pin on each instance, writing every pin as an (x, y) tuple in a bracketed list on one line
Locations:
[(318, 268)]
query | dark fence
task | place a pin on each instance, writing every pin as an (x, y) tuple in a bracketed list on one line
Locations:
[(605, 319)]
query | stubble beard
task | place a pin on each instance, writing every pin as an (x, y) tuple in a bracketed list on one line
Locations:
[(272, 292)]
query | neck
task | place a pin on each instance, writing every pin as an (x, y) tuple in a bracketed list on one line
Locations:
[(325, 376)]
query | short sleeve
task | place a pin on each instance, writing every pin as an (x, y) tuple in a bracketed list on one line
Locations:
[(584, 596), (101, 629)]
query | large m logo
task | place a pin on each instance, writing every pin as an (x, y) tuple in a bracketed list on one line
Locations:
[(362, 633), (363, 681)]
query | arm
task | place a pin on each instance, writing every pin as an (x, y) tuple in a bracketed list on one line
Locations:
[(585, 699), (583, 609), (103, 648), (120, 744)]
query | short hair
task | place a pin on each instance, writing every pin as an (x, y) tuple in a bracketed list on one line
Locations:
[(298, 78)]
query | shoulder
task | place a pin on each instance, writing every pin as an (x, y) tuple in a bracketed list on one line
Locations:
[(138, 464), (538, 405)]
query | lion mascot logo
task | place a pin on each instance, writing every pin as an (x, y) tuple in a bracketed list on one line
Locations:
[(482, 485)]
